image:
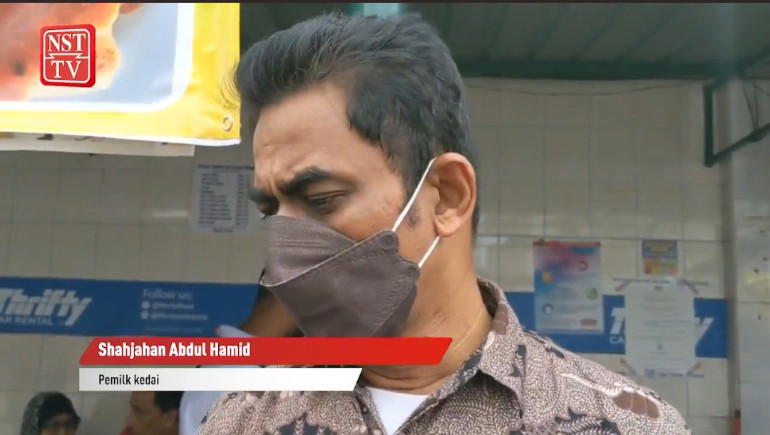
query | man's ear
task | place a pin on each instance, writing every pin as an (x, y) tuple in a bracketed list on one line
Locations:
[(455, 179)]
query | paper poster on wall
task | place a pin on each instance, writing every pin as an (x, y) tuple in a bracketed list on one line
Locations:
[(660, 257), (660, 338), (567, 287), (136, 71), (221, 199)]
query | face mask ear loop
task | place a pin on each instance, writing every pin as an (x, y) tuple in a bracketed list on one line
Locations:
[(409, 204), (427, 254)]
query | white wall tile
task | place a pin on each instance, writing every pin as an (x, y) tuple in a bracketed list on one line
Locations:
[(703, 262), (489, 180), (659, 155), (226, 155), (657, 108), (713, 426), (168, 198), (486, 252), (72, 252), (754, 416), (611, 111), (12, 406), (208, 257), (753, 342), (483, 105), (702, 211), (35, 191), (7, 176), (8, 159), (5, 234), (660, 211), (521, 155), (613, 209), (708, 395), (613, 156), (30, 250), (522, 209), (620, 259), (20, 361), (122, 196), (566, 209), (37, 159), (521, 109), (82, 161), (247, 258), (164, 252), (118, 252), (672, 390), (516, 268), (78, 198), (104, 413), (572, 110), (59, 363), (567, 154)]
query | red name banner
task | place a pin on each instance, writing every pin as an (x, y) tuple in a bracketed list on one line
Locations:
[(304, 351)]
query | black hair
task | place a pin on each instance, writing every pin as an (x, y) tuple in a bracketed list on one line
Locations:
[(403, 89), (168, 400)]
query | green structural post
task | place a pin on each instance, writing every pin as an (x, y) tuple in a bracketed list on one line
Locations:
[(378, 9)]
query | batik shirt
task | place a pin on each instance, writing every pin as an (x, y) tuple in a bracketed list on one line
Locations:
[(517, 383)]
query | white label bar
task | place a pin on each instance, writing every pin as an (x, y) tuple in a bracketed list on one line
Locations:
[(218, 379)]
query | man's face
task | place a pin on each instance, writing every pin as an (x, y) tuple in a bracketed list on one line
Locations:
[(62, 424), (310, 163), (146, 418)]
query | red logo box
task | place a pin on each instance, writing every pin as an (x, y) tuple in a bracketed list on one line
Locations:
[(68, 55)]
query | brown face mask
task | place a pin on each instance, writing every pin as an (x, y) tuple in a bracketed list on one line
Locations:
[(337, 287)]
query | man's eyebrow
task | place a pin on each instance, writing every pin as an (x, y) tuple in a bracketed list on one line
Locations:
[(293, 187), (303, 179)]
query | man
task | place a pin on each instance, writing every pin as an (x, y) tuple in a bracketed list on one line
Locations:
[(366, 174), (154, 413)]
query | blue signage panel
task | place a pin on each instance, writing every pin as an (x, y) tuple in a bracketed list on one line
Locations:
[(135, 308)]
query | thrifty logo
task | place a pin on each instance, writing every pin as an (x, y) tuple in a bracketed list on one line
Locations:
[(63, 305), (68, 55)]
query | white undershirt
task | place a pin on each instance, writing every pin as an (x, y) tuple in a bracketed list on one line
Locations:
[(394, 408)]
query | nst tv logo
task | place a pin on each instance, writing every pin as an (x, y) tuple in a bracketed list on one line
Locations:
[(68, 55)]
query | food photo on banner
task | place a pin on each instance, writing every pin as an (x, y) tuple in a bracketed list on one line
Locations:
[(159, 70)]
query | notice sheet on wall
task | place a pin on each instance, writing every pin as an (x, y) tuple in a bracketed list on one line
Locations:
[(221, 199), (660, 336)]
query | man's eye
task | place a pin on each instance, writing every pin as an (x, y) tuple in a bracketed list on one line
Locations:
[(323, 203)]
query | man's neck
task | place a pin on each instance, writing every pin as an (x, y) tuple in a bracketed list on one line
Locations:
[(463, 317)]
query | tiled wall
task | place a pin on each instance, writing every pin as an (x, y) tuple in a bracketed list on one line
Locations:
[(584, 161)]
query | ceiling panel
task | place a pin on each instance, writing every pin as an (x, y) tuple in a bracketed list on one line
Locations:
[(656, 40)]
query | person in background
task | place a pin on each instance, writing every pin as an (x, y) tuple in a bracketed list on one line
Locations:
[(154, 413), (50, 413), (268, 319)]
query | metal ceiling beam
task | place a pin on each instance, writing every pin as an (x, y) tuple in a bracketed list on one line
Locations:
[(545, 36), (710, 156), (600, 30), (582, 70), (668, 16)]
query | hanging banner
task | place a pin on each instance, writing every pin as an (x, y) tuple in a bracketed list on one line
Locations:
[(143, 71), (660, 338), (660, 257), (567, 287)]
